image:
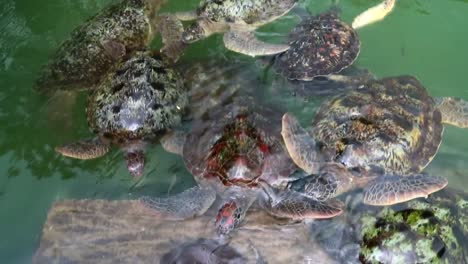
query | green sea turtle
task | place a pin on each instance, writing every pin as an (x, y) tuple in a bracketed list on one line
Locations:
[(236, 152), (379, 136), (324, 44), (137, 101), (237, 19), (95, 47), (203, 250), (432, 230)]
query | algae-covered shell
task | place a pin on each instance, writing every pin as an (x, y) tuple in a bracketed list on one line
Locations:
[(141, 97), (422, 231), (94, 47)]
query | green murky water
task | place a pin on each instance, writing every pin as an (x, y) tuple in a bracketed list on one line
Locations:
[(428, 39)]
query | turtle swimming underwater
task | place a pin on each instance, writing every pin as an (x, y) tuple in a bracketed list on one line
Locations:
[(324, 44), (137, 101), (96, 46), (379, 136), (238, 19), (432, 230), (236, 152)]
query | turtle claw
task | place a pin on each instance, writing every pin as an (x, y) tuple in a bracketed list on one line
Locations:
[(84, 149), (187, 204), (246, 43), (393, 189)]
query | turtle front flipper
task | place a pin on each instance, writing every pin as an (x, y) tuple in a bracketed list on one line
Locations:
[(84, 149), (454, 111), (171, 29), (373, 14), (393, 189), (298, 206), (189, 203), (186, 15), (301, 147), (174, 142), (246, 43)]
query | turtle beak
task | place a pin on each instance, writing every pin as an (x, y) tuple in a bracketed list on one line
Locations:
[(135, 163)]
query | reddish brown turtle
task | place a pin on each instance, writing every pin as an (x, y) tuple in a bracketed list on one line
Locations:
[(324, 44), (236, 153)]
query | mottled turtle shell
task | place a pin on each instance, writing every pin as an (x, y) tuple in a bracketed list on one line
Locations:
[(391, 124), (320, 45), (246, 12), (81, 61), (142, 97), (240, 133)]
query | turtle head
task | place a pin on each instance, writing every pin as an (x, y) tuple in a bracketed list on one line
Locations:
[(331, 180), (193, 33), (135, 162)]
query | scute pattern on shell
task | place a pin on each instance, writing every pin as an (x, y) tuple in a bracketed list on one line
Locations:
[(81, 61), (240, 130), (142, 97), (246, 12), (390, 124), (320, 45)]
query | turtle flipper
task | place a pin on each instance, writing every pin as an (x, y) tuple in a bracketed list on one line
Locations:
[(297, 206), (246, 43), (186, 15), (189, 203), (374, 14), (84, 149), (454, 111), (393, 189), (171, 29), (174, 142), (300, 145)]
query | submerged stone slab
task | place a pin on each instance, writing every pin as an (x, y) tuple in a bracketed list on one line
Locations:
[(101, 231)]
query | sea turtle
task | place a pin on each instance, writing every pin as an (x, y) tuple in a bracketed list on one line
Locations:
[(203, 250), (432, 230), (95, 47), (324, 44), (137, 101), (237, 19), (236, 152), (379, 136)]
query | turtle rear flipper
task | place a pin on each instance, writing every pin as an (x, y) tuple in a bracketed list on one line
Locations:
[(246, 43), (189, 203), (454, 111), (84, 149), (393, 189), (300, 145), (373, 14)]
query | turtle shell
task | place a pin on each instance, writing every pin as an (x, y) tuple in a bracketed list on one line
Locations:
[(238, 144), (81, 61), (391, 124), (319, 45), (248, 12), (138, 99)]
